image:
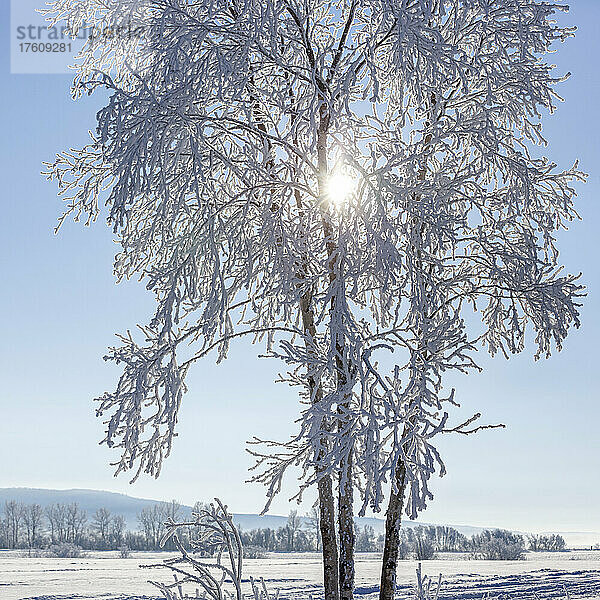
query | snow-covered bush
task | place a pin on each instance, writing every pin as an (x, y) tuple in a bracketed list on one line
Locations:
[(124, 552), (547, 543), (498, 544), (254, 552), (64, 550)]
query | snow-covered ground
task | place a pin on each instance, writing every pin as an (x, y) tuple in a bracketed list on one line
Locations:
[(104, 576)]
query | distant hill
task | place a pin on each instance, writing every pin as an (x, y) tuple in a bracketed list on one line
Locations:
[(129, 507), (88, 500)]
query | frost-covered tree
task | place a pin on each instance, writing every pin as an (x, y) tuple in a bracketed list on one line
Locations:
[(117, 529), (33, 520), (365, 540), (56, 516), (498, 544), (151, 520), (75, 522), (101, 521), (339, 180), (292, 527), (4, 533), (14, 514), (546, 543), (313, 525)]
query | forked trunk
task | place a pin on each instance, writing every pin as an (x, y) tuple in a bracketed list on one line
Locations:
[(345, 507), (391, 548)]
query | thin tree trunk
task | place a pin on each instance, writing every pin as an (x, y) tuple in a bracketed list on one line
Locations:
[(325, 488), (327, 526), (393, 519), (345, 488), (345, 492), (346, 528), (329, 539), (391, 549), (325, 485)]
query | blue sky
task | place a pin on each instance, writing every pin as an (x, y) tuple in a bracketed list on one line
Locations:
[(60, 308)]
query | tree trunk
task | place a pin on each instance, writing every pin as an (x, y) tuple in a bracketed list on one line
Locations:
[(329, 539), (345, 492), (345, 488), (346, 528), (325, 485), (393, 519)]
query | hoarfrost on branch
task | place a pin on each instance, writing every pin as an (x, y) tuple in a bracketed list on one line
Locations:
[(226, 120)]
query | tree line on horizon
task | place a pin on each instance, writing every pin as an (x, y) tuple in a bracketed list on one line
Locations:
[(31, 526)]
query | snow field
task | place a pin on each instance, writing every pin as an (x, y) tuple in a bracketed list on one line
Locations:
[(104, 576)]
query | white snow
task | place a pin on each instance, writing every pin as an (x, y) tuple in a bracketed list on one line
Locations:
[(104, 576)]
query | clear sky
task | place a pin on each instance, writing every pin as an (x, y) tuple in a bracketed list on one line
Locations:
[(59, 309)]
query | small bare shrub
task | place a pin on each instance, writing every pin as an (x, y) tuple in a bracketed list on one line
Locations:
[(219, 577), (426, 588)]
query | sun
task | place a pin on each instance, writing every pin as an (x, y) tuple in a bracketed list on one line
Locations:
[(340, 188)]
